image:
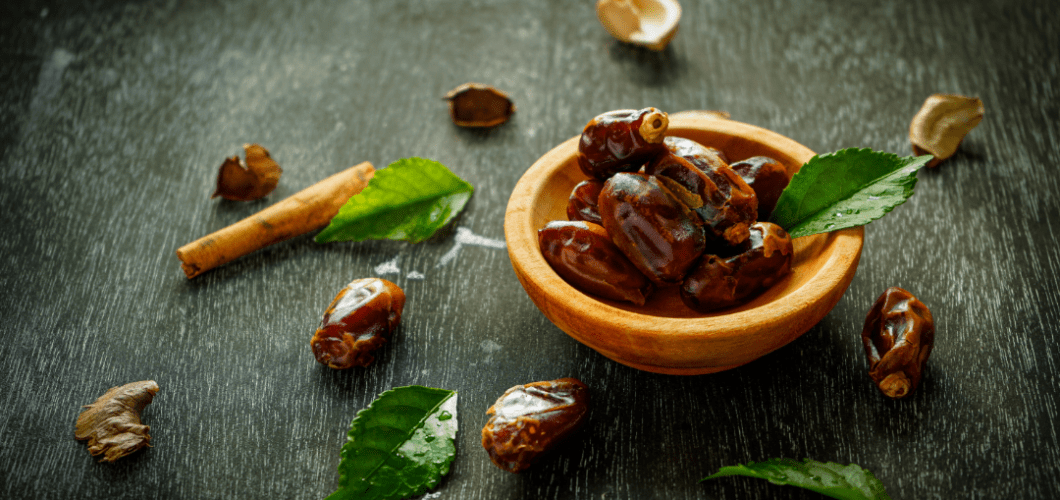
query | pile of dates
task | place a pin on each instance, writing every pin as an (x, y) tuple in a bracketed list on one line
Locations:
[(661, 211)]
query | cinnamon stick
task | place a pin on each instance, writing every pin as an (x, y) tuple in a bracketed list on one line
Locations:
[(307, 210)]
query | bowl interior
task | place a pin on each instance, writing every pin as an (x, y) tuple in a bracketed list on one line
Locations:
[(665, 335)]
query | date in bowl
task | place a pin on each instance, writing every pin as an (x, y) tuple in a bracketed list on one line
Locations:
[(664, 335)]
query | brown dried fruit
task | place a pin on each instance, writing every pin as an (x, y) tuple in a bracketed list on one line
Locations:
[(477, 105), (718, 282), (649, 23), (767, 177), (529, 420), (621, 141), (360, 320), (584, 255), (583, 200), (898, 336), (112, 423), (941, 124), (659, 234), (729, 205), (248, 181)]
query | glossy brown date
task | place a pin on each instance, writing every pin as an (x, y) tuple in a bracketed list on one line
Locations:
[(621, 141), (661, 236), (729, 205), (719, 282), (583, 254), (529, 420), (899, 334), (767, 177), (360, 320), (582, 204)]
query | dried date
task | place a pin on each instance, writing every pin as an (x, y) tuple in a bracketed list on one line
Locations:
[(657, 232), (621, 141), (584, 255), (529, 420), (361, 319), (583, 201), (898, 336), (767, 177), (729, 205), (719, 282)]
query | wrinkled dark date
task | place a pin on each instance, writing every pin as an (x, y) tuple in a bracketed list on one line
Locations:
[(528, 420), (621, 141), (720, 154), (898, 336), (359, 321), (583, 254), (658, 233), (767, 177), (719, 282), (582, 204), (729, 204)]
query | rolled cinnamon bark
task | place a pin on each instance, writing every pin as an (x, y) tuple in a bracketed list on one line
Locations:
[(307, 210)]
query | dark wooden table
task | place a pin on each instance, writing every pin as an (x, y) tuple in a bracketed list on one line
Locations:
[(114, 116)]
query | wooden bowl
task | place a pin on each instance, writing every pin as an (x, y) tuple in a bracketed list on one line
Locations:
[(665, 336)]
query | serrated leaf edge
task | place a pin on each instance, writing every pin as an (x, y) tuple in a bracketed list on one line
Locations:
[(912, 164), (466, 188), (795, 230)]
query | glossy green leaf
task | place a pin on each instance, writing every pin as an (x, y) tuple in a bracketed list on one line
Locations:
[(399, 446), (845, 482), (409, 200), (848, 188)]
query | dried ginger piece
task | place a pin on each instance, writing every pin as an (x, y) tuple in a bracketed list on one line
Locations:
[(112, 423), (250, 181), (941, 124)]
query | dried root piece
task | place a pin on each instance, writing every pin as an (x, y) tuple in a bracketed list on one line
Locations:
[(477, 105), (250, 181), (941, 124), (649, 23), (112, 423)]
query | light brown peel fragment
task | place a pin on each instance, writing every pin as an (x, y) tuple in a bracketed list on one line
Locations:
[(112, 423), (941, 124), (307, 210), (250, 181), (477, 105), (648, 23)]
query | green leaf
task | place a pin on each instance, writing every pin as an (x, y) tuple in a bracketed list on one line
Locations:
[(845, 482), (399, 446), (409, 200), (847, 188)]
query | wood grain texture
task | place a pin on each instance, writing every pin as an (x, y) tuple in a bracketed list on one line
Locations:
[(115, 114)]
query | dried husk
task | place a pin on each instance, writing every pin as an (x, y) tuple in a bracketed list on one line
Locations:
[(250, 181), (478, 105), (941, 124), (648, 23), (112, 424)]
